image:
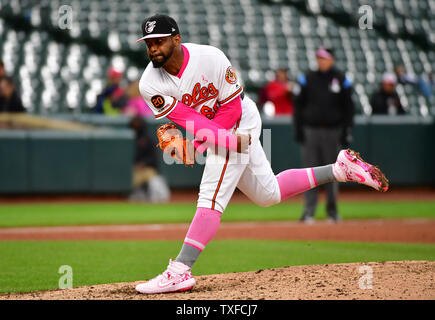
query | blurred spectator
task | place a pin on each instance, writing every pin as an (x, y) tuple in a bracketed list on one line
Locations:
[(279, 93), (2, 69), (386, 100), (422, 82), (426, 85), (2, 74), (136, 105), (432, 82), (148, 185), (403, 77), (10, 100), (113, 98), (323, 119)]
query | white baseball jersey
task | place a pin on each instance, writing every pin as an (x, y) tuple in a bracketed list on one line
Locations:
[(206, 81)]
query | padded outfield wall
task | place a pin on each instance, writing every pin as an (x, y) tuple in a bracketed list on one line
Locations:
[(101, 161)]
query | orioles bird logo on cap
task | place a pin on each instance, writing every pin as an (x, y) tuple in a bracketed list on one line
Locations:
[(149, 26)]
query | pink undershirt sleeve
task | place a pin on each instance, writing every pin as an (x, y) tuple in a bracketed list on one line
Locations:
[(228, 114), (226, 117), (202, 128)]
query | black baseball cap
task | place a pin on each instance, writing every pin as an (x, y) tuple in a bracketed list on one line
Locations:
[(158, 25)]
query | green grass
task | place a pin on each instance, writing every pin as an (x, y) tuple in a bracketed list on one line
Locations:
[(128, 213), (30, 266)]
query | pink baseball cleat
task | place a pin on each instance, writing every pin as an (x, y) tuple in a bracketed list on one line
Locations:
[(177, 277), (351, 167)]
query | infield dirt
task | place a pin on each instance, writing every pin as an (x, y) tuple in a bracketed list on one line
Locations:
[(390, 280), (381, 230)]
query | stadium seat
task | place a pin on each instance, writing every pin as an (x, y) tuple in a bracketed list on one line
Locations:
[(258, 36)]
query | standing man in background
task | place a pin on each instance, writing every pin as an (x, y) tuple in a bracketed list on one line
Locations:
[(323, 119)]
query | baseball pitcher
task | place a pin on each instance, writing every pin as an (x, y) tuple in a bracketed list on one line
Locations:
[(195, 87)]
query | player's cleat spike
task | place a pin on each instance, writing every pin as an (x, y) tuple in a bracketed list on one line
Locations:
[(351, 167), (177, 277)]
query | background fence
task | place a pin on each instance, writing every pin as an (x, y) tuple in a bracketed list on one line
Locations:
[(101, 160)]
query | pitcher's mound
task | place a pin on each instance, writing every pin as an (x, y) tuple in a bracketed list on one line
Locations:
[(374, 280)]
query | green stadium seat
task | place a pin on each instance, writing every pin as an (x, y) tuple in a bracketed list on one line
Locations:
[(295, 34)]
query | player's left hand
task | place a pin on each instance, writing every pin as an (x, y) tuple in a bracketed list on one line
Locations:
[(172, 142)]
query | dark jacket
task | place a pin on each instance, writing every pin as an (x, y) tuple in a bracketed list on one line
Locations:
[(13, 104), (380, 102), (145, 150), (145, 146), (117, 96), (324, 100)]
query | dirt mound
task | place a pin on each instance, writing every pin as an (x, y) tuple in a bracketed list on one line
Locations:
[(390, 280)]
